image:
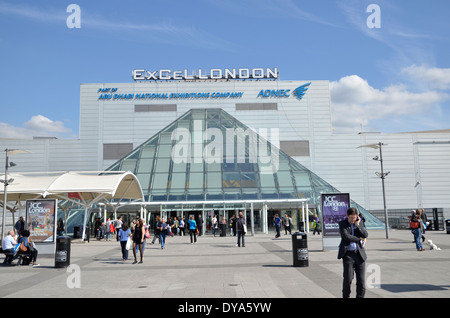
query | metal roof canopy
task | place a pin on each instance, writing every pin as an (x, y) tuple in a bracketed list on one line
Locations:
[(89, 187)]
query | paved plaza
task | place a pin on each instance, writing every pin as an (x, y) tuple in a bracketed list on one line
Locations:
[(215, 268)]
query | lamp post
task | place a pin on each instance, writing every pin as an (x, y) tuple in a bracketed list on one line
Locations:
[(7, 182), (381, 175)]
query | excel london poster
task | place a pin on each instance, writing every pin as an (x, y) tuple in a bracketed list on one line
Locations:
[(41, 220), (334, 210)]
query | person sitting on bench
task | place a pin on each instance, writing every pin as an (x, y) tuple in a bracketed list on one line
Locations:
[(8, 244), (31, 251)]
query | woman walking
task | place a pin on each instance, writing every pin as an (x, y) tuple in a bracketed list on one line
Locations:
[(138, 240), (157, 231), (241, 230), (163, 232), (214, 225), (124, 234), (192, 229)]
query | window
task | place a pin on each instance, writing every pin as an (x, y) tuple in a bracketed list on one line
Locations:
[(155, 108), (116, 151), (295, 147), (257, 106)]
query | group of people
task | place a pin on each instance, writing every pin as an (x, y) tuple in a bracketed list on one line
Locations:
[(286, 221), (10, 246), (221, 226), (138, 233)]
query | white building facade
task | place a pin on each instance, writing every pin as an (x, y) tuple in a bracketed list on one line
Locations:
[(115, 118)]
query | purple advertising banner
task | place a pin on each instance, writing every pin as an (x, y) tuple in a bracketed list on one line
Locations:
[(41, 219), (334, 210)]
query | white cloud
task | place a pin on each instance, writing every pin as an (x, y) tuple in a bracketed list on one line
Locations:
[(354, 102), (437, 78), (39, 126)]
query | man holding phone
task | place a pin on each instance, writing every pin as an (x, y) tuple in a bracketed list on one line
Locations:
[(352, 253)]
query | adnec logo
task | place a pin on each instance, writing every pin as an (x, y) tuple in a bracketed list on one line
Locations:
[(299, 92)]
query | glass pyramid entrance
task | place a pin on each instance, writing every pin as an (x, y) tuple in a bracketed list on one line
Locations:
[(208, 155)]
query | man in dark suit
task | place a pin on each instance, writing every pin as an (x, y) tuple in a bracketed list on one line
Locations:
[(352, 253)]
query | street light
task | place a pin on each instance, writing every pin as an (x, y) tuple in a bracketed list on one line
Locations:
[(7, 182), (381, 175)]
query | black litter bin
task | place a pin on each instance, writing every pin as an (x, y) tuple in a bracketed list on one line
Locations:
[(76, 232), (447, 225), (300, 249), (301, 226), (62, 255)]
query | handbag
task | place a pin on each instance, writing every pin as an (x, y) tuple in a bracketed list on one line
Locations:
[(22, 247), (129, 245), (424, 225), (245, 228)]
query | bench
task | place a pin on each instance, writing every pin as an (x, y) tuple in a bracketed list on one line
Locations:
[(20, 256)]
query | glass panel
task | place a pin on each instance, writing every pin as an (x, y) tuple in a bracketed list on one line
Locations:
[(214, 179), (283, 163), (287, 193), (148, 151), (129, 165), (249, 180), (184, 123), (177, 195), (198, 114), (230, 194), (212, 114), (250, 193), (144, 180), (197, 136), (231, 180), (248, 167), (302, 179), (165, 138), (213, 167), (195, 195), (145, 165), (214, 194), (134, 154), (162, 165), (158, 196), (179, 167), (196, 167), (164, 151), (268, 193), (213, 124), (267, 180), (196, 181), (229, 167), (160, 181), (284, 178), (178, 181)]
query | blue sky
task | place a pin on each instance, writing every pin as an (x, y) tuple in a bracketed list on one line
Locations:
[(395, 78)]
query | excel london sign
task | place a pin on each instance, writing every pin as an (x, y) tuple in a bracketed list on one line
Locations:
[(213, 74)]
